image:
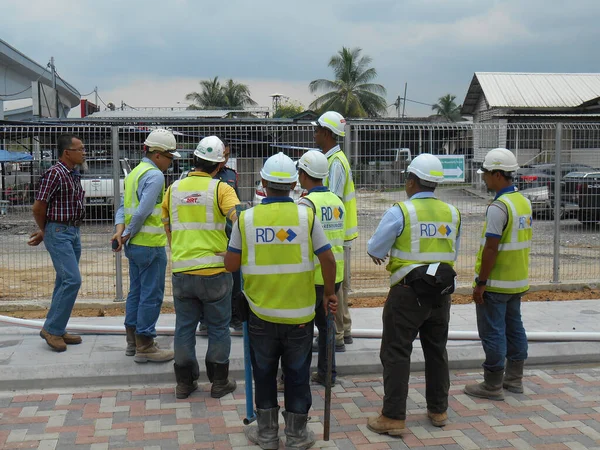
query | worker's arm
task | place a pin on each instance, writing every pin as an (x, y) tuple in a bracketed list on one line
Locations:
[(328, 267), (233, 257), (39, 215), (119, 226), (488, 260), (228, 200), (389, 228), (166, 214), (337, 178)]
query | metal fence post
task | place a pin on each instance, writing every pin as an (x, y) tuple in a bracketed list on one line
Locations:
[(557, 203), (116, 160)]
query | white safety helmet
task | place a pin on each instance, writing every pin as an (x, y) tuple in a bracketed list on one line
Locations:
[(332, 120), (210, 148), (315, 164), (279, 169), (427, 167), (499, 159), (162, 140)]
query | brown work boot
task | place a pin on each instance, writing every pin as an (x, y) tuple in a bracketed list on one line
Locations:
[(71, 339), (438, 419), (147, 350), (384, 425), (513, 376), (130, 336), (491, 388), (56, 343)]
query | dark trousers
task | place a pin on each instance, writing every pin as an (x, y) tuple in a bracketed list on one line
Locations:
[(321, 324), (403, 317), (293, 344)]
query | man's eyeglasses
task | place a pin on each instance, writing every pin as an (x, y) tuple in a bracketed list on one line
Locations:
[(82, 149)]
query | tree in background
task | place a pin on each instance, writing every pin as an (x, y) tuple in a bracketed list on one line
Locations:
[(288, 109), (447, 108), (352, 93), (216, 95)]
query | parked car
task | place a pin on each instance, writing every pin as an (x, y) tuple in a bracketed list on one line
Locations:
[(541, 174), (588, 195), (97, 182), (259, 193)]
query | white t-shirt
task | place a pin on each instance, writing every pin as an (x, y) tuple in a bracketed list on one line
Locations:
[(497, 219)]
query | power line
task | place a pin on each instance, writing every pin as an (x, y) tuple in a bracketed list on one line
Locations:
[(420, 103), (90, 93), (100, 98)]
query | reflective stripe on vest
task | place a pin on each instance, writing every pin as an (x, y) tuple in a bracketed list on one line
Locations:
[(277, 262), (197, 225), (510, 274), (349, 198), (152, 232), (329, 210), (429, 235)]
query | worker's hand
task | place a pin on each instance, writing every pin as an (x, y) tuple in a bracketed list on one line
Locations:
[(478, 294), (330, 303), (35, 238), (221, 254), (116, 238), (377, 260), (125, 238)]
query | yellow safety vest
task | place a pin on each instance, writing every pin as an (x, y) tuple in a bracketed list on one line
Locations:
[(197, 225), (510, 274), (152, 233), (349, 198), (429, 236), (277, 262), (329, 210)]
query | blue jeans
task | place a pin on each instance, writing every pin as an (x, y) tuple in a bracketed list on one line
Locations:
[(64, 245), (147, 268), (501, 329), (196, 296), (293, 344)]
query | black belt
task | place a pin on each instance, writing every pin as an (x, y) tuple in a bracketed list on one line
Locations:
[(69, 223)]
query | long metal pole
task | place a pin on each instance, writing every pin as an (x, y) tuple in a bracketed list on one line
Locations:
[(557, 203), (404, 99), (116, 202), (328, 375)]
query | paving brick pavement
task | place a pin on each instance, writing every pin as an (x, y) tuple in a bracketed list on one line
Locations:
[(560, 409)]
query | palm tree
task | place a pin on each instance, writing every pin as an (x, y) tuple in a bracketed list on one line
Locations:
[(447, 108), (237, 95), (351, 93), (211, 95)]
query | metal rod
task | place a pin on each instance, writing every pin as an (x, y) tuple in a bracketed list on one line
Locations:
[(116, 202), (404, 99), (250, 416), (328, 375), (557, 203)]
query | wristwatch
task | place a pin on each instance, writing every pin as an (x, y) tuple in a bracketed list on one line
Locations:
[(479, 282)]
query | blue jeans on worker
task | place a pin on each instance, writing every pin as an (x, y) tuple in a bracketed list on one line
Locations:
[(501, 329), (147, 269), (63, 242), (321, 324), (196, 296), (293, 344)]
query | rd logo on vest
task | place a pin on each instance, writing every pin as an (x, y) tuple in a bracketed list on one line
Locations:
[(329, 213), (267, 235), (525, 222), (432, 230)]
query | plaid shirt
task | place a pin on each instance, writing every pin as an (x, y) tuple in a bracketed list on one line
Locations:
[(60, 187)]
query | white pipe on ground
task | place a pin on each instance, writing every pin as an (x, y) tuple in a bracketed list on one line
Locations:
[(364, 333)]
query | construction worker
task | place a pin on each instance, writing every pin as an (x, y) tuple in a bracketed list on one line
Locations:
[(274, 243), (329, 210), (140, 230), (329, 127), (502, 277), (194, 213), (421, 237)]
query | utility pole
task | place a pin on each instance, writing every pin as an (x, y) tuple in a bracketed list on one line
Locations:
[(404, 100), (53, 69), (96, 98)]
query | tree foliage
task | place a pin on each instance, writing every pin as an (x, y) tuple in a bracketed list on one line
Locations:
[(287, 109), (447, 108), (213, 94)]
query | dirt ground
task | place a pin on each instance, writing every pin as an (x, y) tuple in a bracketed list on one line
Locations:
[(363, 302)]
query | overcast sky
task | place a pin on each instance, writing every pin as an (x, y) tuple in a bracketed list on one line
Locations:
[(151, 53)]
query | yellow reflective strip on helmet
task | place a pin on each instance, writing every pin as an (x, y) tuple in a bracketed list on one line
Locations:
[(281, 174), (435, 173), (330, 122)]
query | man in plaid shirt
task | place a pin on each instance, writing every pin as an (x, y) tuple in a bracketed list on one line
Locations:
[(58, 210)]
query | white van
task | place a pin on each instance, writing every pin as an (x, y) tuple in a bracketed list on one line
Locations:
[(388, 157)]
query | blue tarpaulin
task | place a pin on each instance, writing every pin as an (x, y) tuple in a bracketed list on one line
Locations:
[(6, 156)]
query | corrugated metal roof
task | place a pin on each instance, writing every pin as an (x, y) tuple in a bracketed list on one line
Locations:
[(532, 90), (176, 114)]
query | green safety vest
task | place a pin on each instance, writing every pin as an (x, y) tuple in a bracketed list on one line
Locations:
[(349, 198), (197, 225), (277, 262), (329, 210), (429, 236), (152, 233), (510, 274)]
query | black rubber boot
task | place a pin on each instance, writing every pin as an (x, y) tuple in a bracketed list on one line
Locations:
[(297, 435), (186, 380), (265, 433), (221, 384), (210, 370), (513, 376)]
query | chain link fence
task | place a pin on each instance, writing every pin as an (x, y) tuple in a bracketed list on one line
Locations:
[(560, 161)]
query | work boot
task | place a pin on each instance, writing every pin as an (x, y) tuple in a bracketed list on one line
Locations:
[(56, 343), (71, 339), (315, 345), (513, 376), (265, 433), (348, 339), (221, 384), (130, 336), (385, 425), (491, 388), (297, 435), (236, 324), (438, 419), (280, 384), (316, 378), (203, 329), (340, 347), (147, 350), (186, 380)]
